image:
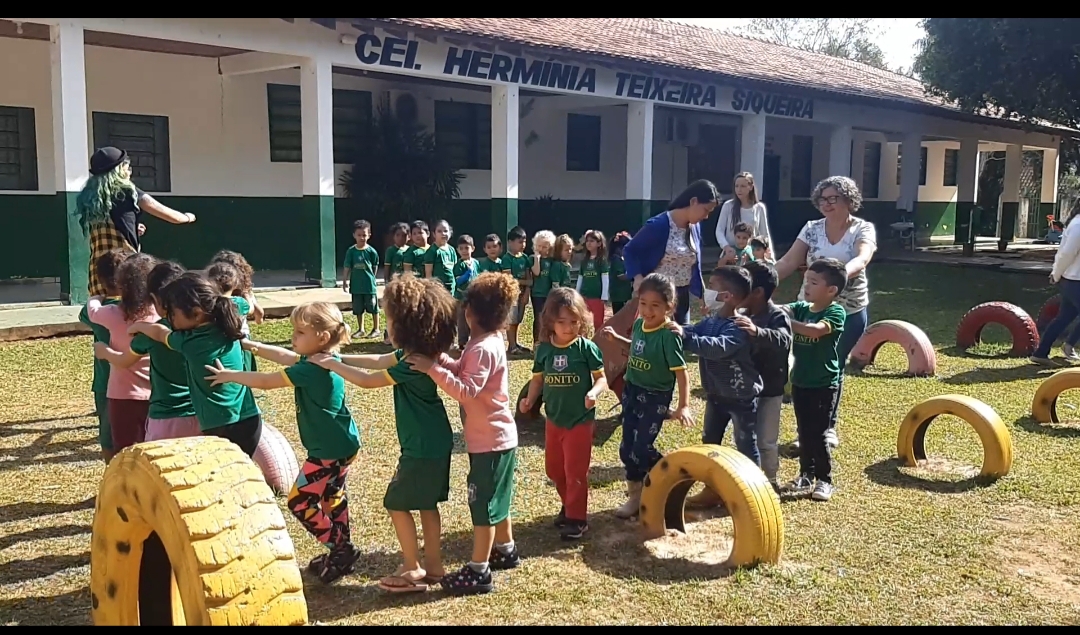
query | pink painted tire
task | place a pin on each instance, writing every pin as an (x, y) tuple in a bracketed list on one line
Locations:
[(1025, 335), (276, 459), (1048, 312), (921, 357)]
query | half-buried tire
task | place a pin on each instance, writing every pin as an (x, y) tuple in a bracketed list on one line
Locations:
[(746, 492), (1025, 335), (276, 460), (615, 355), (1044, 404), (187, 532), (921, 357), (1048, 312), (994, 436)]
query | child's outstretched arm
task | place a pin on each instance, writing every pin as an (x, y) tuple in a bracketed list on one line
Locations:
[(472, 373), (726, 343), (776, 334), (352, 375), (536, 386), (599, 385), (115, 357), (370, 362), (811, 329), (157, 332), (682, 412), (610, 333), (264, 381), (275, 354)]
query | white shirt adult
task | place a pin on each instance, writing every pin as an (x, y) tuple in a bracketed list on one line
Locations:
[(1067, 260), (755, 216)]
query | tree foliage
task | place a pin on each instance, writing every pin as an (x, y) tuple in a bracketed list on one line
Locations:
[(1021, 67), (849, 38), (398, 173)]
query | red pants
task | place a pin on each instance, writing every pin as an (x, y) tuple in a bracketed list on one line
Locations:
[(597, 308), (567, 454), (127, 418)]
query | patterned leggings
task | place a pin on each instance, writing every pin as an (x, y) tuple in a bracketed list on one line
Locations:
[(319, 502)]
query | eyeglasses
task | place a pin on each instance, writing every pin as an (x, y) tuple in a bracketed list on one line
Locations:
[(831, 200)]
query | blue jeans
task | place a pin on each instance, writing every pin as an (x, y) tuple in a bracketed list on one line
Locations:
[(854, 327), (682, 305), (644, 413), (718, 412), (1069, 311)]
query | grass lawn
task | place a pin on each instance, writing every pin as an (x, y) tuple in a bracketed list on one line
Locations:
[(894, 546)]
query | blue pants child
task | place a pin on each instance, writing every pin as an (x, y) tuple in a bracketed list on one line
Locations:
[(720, 412), (644, 413)]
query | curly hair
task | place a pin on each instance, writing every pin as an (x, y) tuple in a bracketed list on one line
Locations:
[(225, 277), (569, 299), (844, 186), (543, 240), (490, 297), (422, 315), (131, 278), (323, 317), (235, 259), (107, 264)]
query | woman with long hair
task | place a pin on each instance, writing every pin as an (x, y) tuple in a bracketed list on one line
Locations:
[(109, 207), (750, 210), (1066, 275)]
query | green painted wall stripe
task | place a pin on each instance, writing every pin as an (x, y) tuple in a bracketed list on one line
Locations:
[(75, 275), (504, 217), (317, 228)]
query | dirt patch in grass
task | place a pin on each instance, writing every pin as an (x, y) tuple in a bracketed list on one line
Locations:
[(1031, 551)]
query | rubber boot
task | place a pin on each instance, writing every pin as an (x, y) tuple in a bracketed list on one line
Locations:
[(630, 508), (706, 499)]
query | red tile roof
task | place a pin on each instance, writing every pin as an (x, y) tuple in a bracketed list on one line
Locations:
[(692, 48)]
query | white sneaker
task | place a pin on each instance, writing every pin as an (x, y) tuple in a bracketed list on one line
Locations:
[(831, 439), (822, 491), (1070, 353)]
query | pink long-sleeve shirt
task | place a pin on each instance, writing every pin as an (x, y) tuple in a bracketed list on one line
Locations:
[(132, 383), (480, 382)]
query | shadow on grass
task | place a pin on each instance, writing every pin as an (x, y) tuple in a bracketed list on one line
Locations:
[(7, 429), (24, 511), (69, 609), (43, 533), (69, 452), (371, 347), (1059, 430), (887, 474), (998, 375), (531, 431), (4, 425), (23, 570)]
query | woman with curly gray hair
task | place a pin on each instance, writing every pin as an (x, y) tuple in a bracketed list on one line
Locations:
[(852, 241)]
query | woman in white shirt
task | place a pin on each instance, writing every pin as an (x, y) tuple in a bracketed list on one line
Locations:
[(1066, 275), (751, 211), (852, 241)]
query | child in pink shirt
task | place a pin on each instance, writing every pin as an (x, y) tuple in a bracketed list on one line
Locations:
[(129, 388), (479, 381)]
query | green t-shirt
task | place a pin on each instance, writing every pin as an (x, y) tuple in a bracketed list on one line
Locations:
[(592, 283), (215, 406), (362, 265), (101, 334), (553, 273), (243, 307), (414, 257), (459, 270), (619, 290), (817, 362), (518, 265), (326, 426), (170, 397), (559, 275), (442, 261), (488, 265), (568, 376), (422, 425), (654, 357), (394, 257)]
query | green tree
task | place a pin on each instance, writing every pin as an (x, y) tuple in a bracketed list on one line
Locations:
[(849, 38)]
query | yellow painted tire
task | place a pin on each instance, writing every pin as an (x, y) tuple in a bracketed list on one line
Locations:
[(1044, 404), (186, 531), (995, 437), (746, 492)]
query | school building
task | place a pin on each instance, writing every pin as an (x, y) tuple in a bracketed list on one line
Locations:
[(552, 123)]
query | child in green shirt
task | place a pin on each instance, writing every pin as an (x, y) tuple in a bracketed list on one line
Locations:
[(394, 259), (620, 288), (817, 324), (592, 282), (743, 252), (465, 270), (519, 266), (327, 429), (493, 251), (413, 260), (439, 261), (361, 264), (421, 317), (655, 366), (228, 281)]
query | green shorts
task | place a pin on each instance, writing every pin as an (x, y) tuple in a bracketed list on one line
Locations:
[(491, 486), (101, 403), (365, 303), (418, 485)]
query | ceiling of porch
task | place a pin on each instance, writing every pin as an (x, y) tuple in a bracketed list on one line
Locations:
[(28, 31)]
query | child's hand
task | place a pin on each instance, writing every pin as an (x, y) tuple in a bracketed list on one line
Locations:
[(608, 332), (345, 287), (674, 327), (525, 405), (322, 360), (218, 374), (590, 400), (99, 350), (419, 363), (684, 416), (258, 314), (745, 324)]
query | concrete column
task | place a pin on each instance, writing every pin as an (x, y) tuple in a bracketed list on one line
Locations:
[(753, 150), (1049, 196), (910, 154), (840, 151), (639, 160), (858, 157), (1010, 195), (967, 189), (71, 153), (505, 115), (317, 114)]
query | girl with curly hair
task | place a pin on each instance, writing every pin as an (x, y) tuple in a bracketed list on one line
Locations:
[(421, 317)]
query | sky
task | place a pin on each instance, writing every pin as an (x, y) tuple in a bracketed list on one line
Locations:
[(898, 35)]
